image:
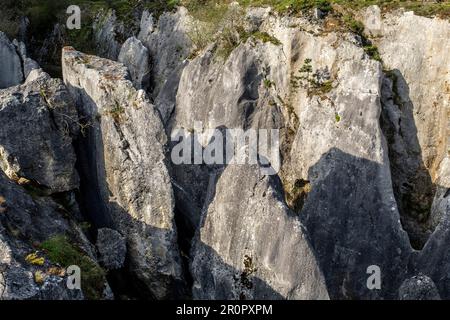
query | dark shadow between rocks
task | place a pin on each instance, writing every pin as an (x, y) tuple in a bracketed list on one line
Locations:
[(413, 187), (194, 188)]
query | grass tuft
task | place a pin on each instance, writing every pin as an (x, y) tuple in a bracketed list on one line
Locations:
[(60, 251)]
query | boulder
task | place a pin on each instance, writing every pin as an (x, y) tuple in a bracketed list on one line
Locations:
[(41, 117), (111, 246)]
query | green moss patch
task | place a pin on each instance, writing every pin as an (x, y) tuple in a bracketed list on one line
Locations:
[(61, 251)]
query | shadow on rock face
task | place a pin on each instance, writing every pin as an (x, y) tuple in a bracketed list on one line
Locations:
[(353, 223), (411, 179), (434, 259), (250, 245), (232, 284)]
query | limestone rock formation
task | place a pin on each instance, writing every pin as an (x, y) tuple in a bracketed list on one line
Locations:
[(168, 43), (107, 33), (136, 58), (11, 73), (205, 96), (41, 117), (127, 185), (253, 249), (361, 182), (340, 154), (416, 111), (323, 93), (112, 249)]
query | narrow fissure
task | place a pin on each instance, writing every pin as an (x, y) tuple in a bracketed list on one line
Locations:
[(412, 184)]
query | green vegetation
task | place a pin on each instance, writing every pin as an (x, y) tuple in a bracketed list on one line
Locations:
[(268, 83), (44, 13), (320, 89), (372, 51), (265, 37), (428, 8), (117, 112), (317, 83), (60, 251), (357, 27), (353, 25), (337, 117)]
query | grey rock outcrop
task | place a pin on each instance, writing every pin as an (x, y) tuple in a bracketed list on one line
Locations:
[(350, 230), (112, 248), (365, 169), (169, 45), (418, 288), (205, 95), (136, 58), (337, 148), (253, 249), (127, 184), (320, 118), (107, 33), (415, 116), (416, 112), (11, 73), (24, 221), (40, 115), (433, 260), (372, 21), (28, 63)]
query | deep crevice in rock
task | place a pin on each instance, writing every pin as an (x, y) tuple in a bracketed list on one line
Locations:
[(413, 187)]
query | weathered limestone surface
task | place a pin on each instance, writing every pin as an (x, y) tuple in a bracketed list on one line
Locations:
[(107, 34), (333, 144), (11, 73), (253, 249), (112, 248), (127, 184), (39, 122), (418, 288), (168, 43), (136, 58)]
